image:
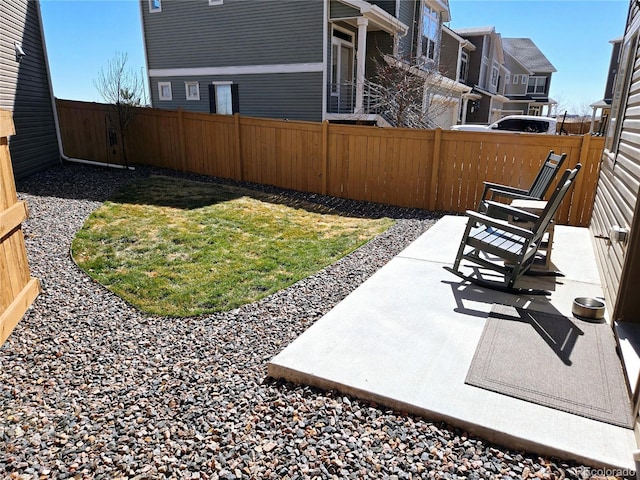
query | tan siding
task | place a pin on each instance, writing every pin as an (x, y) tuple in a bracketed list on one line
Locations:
[(617, 193)]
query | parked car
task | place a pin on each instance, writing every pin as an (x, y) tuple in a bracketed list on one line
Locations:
[(514, 124)]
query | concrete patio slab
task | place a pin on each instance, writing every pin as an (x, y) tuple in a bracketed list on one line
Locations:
[(406, 337)]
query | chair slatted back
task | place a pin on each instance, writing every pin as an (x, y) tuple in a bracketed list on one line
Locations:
[(554, 202), (546, 175)]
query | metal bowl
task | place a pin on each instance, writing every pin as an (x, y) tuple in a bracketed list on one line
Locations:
[(588, 308)]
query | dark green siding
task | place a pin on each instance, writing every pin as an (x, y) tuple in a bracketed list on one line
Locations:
[(188, 34), (340, 10), (24, 89), (296, 96)]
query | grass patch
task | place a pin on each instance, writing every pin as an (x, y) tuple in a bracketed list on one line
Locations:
[(181, 248)]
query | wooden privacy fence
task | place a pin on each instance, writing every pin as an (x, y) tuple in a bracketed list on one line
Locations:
[(428, 169), (17, 288)]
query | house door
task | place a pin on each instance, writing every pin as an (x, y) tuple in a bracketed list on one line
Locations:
[(342, 60)]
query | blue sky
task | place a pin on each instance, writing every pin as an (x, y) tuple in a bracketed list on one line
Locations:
[(83, 35)]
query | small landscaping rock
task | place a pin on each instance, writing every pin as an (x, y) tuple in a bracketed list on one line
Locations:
[(92, 388)]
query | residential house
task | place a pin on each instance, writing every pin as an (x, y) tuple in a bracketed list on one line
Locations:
[(455, 53), (604, 105), (528, 80), (615, 224), (311, 60), (25, 87), (486, 70)]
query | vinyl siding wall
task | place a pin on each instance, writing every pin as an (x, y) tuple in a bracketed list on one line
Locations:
[(24, 89), (407, 14), (449, 56), (187, 34), (194, 34), (296, 96), (340, 10), (616, 202)]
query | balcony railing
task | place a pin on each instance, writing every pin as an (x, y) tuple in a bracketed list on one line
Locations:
[(341, 99)]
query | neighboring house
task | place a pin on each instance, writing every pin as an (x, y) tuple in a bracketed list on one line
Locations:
[(310, 60), (485, 74), (529, 79), (604, 105), (617, 204), (25, 87), (455, 54)]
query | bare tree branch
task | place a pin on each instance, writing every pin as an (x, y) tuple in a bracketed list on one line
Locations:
[(411, 93), (122, 88)]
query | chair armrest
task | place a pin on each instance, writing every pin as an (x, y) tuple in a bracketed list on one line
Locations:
[(504, 188), (509, 210), (501, 224), (508, 194)]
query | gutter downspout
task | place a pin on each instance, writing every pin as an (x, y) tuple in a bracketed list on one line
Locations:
[(55, 109)]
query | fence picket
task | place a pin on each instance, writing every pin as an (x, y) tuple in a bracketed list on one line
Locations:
[(433, 169)]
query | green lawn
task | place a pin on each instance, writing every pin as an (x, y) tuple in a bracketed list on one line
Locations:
[(178, 247)]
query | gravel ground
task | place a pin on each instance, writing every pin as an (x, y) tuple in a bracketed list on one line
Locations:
[(91, 388)]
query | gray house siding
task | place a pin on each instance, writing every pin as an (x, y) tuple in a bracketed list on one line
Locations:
[(449, 56), (388, 6), (475, 61), (295, 96), (408, 15), (340, 10), (187, 34), (24, 89)]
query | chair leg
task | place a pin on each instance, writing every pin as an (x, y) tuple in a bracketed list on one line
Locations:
[(463, 243)]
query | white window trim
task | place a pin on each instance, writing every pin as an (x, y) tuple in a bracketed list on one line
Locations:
[(436, 41), (216, 2), (186, 88), (155, 10), (160, 96), (237, 70), (515, 78), (224, 82), (507, 78), (495, 79)]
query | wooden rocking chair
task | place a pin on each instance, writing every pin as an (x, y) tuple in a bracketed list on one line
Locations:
[(504, 247), (537, 190)]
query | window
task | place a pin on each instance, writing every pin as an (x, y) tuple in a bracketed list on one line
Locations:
[(515, 79), (155, 6), (192, 90), (464, 66), (537, 85), (507, 78), (495, 74), (430, 32), (620, 94), (223, 98), (164, 91), (216, 2)]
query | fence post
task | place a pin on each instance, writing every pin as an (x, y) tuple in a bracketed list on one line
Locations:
[(576, 210), (239, 174), (183, 153), (325, 155), (435, 169)]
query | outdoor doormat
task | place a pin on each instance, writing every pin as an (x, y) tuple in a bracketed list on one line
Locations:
[(555, 361)]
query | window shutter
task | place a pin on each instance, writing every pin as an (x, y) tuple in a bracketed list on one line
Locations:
[(212, 99), (235, 100)]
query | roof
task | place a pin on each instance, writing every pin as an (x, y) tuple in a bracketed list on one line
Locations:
[(526, 52), (473, 31)]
